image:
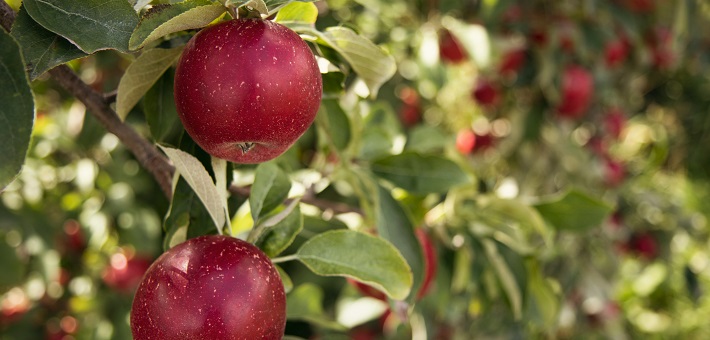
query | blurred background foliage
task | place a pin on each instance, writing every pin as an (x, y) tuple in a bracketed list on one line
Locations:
[(488, 85)]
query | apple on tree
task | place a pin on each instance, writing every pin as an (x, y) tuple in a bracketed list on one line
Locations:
[(485, 93), (450, 49), (576, 92), (247, 89), (210, 287)]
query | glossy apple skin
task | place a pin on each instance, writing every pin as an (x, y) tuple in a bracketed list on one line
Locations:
[(247, 81), (577, 92), (210, 287)]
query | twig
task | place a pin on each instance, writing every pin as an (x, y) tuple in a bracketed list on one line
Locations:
[(146, 154)]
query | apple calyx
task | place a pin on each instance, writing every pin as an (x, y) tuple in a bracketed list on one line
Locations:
[(246, 147)]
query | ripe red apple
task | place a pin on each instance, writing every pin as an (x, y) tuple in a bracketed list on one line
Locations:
[(615, 52), (643, 244), (450, 49), (124, 274), (485, 93), (577, 91), (512, 61), (660, 42), (210, 287), (247, 89), (614, 122), (410, 112), (614, 172), (465, 141), (430, 264)]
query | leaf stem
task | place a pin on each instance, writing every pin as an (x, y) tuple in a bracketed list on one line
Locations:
[(284, 258)]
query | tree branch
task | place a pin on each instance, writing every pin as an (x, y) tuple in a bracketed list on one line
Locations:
[(144, 151)]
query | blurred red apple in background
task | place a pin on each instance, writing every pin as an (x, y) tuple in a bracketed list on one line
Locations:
[(576, 92), (450, 49), (485, 93)]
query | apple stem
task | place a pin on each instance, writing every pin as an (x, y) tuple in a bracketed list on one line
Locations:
[(284, 258)]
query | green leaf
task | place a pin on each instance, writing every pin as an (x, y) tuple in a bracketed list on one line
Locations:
[(257, 5), (162, 20), (159, 109), (285, 279), (511, 280), (275, 5), (12, 266), (187, 216), (394, 225), (91, 25), (16, 112), (420, 174), (426, 138), (371, 63), (141, 75), (360, 256), (41, 48), (199, 179), (574, 211), (297, 12), (279, 236), (543, 305), (306, 303), (270, 188), (334, 124)]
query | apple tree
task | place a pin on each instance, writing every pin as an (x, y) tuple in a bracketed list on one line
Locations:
[(361, 169)]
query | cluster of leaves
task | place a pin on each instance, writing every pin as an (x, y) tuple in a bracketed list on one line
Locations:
[(522, 219)]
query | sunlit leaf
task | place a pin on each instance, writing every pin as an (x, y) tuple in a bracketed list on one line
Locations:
[(297, 12), (574, 211), (360, 256), (141, 75), (162, 20), (270, 188)]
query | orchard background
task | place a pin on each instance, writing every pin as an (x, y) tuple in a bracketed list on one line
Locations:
[(553, 153)]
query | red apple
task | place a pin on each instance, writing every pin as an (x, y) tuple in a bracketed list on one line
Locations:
[(614, 172), (450, 49), (512, 61), (210, 287), (614, 122), (615, 52), (247, 89), (410, 112), (644, 245), (124, 274), (577, 91), (485, 93), (465, 141), (660, 42)]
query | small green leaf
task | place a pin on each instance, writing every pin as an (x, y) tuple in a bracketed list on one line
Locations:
[(279, 236), (297, 12), (92, 25), (257, 5), (574, 211), (17, 112), (543, 305), (426, 138), (363, 257), (306, 303), (41, 48), (270, 188), (162, 20), (334, 124), (285, 279), (371, 63), (420, 174), (511, 283), (141, 75), (394, 225), (199, 179), (159, 109)]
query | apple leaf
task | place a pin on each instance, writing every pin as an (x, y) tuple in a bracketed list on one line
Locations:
[(17, 109), (512, 284), (187, 216), (279, 236), (395, 226), (297, 12), (574, 211), (543, 304), (370, 62), (91, 25), (427, 139), (305, 303), (141, 75), (138, 4), (270, 188), (285, 279), (159, 109), (275, 5), (162, 20), (366, 258), (257, 5), (41, 48), (334, 124), (199, 179), (12, 266), (420, 174)]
